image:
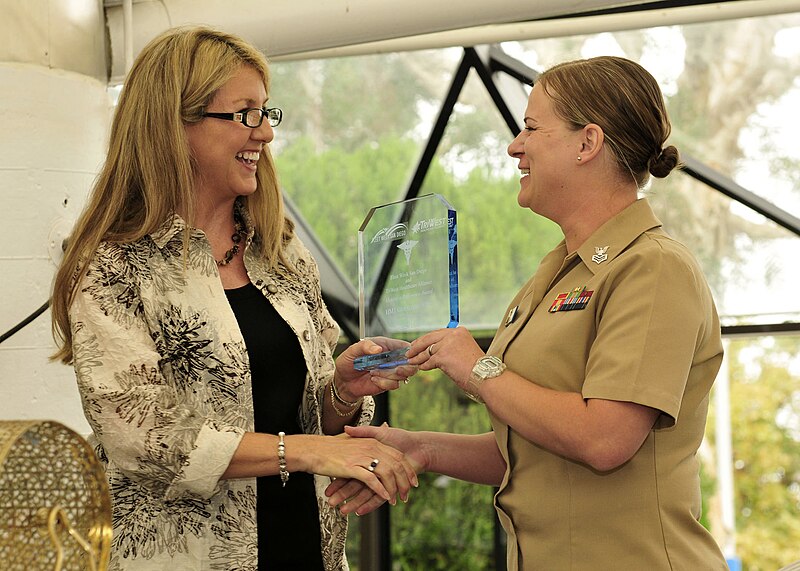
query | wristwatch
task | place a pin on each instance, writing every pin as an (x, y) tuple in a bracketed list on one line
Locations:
[(487, 367)]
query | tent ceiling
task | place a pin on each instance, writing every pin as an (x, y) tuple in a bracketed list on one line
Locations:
[(628, 18), (282, 27), (297, 29)]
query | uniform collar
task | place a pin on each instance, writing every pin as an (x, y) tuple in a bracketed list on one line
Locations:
[(617, 234)]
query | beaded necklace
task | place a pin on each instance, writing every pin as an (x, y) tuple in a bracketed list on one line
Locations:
[(237, 236)]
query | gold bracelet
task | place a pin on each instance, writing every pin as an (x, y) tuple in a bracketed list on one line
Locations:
[(335, 393), (282, 459), (336, 409)]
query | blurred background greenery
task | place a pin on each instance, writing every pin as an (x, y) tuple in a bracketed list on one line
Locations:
[(354, 129)]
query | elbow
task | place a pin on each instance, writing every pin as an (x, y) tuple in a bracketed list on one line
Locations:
[(607, 458)]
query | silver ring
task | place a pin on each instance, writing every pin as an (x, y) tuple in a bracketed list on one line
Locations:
[(430, 353), (373, 464)]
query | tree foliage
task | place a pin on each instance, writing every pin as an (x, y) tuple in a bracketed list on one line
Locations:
[(353, 132), (765, 428)]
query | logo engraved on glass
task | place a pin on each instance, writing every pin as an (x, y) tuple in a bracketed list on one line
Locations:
[(400, 300), (407, 246), (392, 233), (430, 224)]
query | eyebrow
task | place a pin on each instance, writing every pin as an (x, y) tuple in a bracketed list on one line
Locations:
[(250, 102)]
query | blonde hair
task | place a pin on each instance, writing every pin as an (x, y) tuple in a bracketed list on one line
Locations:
[(148, 174), (622, 98)]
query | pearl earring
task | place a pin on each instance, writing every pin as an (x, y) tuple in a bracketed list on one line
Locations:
[(579, 157)]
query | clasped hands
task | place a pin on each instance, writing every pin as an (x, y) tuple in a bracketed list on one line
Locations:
[(454, 352)]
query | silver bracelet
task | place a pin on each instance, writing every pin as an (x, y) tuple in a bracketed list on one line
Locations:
[(282, 459)]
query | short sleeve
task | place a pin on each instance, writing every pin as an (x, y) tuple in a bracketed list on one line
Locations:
[(652, 311)]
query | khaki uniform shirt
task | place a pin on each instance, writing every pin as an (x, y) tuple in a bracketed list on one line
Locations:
[(627, 317), (164, 377)]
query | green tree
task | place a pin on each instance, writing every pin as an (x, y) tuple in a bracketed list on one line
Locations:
[(446, 524), (765, 428), (353, 131)]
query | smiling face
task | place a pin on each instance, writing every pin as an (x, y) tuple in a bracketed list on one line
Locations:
[(226, 153), (547, 149)]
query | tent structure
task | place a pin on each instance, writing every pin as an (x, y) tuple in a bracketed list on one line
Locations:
[(58, 59), (343, 28)]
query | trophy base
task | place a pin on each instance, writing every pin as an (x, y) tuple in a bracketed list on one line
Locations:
[(385, 360)]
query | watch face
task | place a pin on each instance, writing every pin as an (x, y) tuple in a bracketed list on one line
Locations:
[(487, 366)]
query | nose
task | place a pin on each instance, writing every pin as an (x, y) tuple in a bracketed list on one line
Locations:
[(516, 148), (264, 132)]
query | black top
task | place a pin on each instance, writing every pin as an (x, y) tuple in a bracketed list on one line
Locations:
[(288, 518)]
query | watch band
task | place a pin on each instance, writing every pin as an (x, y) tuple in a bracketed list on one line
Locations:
[(487, 367)]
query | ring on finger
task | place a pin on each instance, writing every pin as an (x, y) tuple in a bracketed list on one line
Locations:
[(430, 353), (373, 464)]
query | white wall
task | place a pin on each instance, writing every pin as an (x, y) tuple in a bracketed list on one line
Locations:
[(54, 117)]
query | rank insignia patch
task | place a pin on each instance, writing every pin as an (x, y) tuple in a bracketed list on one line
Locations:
[(571, 300), (600, 254)]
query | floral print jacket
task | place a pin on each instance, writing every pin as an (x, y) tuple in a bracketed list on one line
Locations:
[(164, 377)]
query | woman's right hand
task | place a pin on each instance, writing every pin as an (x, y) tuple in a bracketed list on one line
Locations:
[(346, 457), (353, 494)]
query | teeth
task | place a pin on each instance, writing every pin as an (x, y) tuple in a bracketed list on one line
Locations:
[(251, 156), (525, 171)]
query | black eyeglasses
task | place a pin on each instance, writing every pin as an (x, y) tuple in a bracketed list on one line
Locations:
[(252, 117)]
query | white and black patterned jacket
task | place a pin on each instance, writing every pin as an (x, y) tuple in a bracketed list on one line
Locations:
[(164, 377)]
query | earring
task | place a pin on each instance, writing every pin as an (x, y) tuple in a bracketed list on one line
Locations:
[(579, 157)]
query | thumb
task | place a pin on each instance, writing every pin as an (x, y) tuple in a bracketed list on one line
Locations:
[(365, 431)]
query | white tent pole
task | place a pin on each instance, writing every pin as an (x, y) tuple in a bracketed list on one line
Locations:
[(288, 26), (127, 18), (539, 29), (308, 29), (724, 448)]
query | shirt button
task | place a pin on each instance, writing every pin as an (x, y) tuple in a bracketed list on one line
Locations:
[(272, 288), (307, 335)]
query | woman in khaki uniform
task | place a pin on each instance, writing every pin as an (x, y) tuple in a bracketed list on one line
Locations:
[(597, 381)]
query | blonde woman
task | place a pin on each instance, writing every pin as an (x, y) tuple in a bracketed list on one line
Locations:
[(194, 319)]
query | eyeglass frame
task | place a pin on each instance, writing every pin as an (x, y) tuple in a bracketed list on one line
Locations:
[(241, 116)]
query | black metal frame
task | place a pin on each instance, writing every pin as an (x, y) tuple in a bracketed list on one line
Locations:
[(342, 300), (488, 61)]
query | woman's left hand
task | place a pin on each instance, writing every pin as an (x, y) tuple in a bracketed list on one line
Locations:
[(353, 384), (453, 351)]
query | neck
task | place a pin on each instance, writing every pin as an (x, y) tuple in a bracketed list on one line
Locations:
[(579, 224), (212, 217)]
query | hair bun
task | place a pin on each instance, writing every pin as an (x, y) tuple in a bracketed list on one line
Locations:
[(663, 163)]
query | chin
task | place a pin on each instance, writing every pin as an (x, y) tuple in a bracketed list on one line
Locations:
[(523, 199), (246, 190)]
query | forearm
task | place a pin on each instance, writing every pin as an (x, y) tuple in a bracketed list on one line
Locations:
[(257, 455), (472, 458), (601, 433), (336, 457)]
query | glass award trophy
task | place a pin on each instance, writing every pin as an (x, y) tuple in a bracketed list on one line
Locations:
[(407, 275)]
